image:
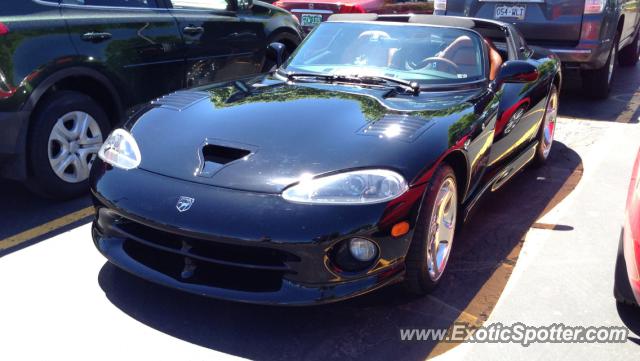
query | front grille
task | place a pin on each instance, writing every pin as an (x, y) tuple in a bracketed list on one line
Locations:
[(205, 262)]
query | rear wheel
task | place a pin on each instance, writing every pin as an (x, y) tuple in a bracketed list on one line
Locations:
[(432, 242), (597, 82), (629, 54), (547, 128), (67, 131)]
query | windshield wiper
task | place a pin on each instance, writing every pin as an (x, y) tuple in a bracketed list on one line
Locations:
[(412, 86), (409, 85)]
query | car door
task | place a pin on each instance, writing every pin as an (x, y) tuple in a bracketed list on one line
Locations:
[(133, 40), (520, 111), (220, 44)]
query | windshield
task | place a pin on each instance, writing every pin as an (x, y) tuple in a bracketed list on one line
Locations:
[(425, 54)]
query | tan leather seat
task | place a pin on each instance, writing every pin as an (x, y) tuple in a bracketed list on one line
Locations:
[(462, 53)]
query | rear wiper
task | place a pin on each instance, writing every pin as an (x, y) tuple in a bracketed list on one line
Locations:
[(412, 86)]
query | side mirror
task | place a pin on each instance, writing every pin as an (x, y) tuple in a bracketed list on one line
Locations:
[(516, 71), (275, 53)]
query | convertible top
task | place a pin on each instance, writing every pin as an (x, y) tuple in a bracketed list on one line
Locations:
[(439, 20)]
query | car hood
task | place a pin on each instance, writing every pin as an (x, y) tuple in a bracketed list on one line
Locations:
[(266, 135)]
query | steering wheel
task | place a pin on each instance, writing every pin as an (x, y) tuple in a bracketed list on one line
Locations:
[(434, 59)]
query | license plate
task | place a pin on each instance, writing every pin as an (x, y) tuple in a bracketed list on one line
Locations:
[(310, 19), (510, 11)]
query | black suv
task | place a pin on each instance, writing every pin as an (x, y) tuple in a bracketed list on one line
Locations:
[(588, 35), (69, 69)]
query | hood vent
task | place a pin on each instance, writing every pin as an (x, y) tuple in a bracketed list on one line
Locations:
[(180, 100), (214, 157), (397, 126)]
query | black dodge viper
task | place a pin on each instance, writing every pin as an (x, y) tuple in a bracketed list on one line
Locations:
[(347, 168)]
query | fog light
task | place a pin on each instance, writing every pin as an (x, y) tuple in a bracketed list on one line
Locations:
[(362, 249)]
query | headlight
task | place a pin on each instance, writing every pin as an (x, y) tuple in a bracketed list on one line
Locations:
[(120, 150), (356, 187)]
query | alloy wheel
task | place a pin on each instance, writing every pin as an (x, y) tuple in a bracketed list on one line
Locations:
[(549, 125), (441, 229)]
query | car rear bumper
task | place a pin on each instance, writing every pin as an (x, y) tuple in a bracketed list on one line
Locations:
[(235, 245), (586, 55)]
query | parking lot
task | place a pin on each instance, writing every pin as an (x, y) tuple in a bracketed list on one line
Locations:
[(539, 251)]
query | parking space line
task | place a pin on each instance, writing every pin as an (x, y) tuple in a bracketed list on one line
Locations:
[(45, 228), (631, 114), (463, 315)]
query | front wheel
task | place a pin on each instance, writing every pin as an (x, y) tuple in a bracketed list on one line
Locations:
[(432, 242)]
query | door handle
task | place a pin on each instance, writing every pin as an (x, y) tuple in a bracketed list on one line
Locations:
[(95, 37), (193, 30)]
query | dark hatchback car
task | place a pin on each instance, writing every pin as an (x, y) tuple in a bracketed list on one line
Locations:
[(588, 35), (70, 68)]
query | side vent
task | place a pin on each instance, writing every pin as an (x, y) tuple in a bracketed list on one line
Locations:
[(180, 100), (214, 157)]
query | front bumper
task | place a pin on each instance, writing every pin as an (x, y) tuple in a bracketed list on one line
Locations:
[(237, 245)]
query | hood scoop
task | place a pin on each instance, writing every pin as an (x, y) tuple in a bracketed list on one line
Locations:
[(214, 157)]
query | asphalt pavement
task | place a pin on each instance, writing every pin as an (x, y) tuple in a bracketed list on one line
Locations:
[(538, 251)]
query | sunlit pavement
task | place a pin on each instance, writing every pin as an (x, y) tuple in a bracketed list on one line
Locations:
[(539, 251)]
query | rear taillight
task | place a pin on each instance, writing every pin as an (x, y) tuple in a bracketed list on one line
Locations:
[(440, 5), (351, 9), (594, 6), (3, 29)]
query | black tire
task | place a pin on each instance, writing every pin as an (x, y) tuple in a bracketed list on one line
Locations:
[(290, 41), (42, 178), (542, 153), (621, 287), (597, 82), (417, 279), (630, 54)]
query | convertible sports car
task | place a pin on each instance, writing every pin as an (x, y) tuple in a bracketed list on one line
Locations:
[(345, 170)]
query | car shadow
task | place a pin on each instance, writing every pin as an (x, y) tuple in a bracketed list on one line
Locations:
[(367, 327), (623, 104), (630, 316)]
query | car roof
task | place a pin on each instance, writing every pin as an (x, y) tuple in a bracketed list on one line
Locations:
[(437, 20)]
